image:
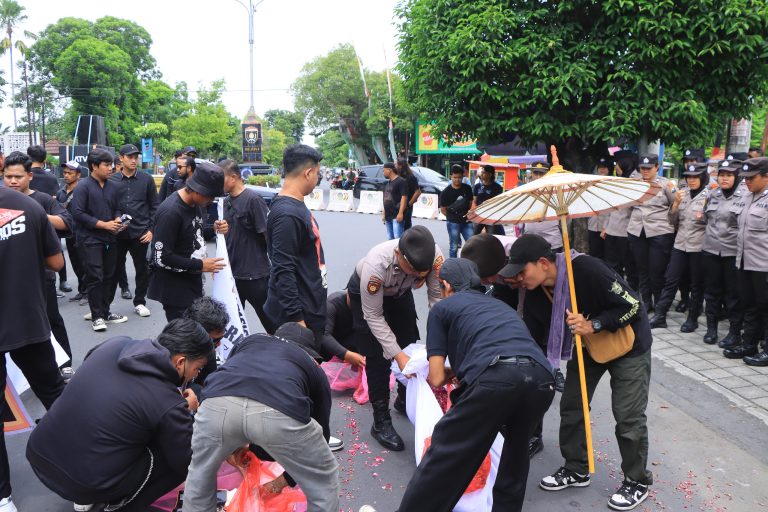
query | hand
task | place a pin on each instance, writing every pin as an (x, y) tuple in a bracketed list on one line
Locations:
[(383, 220), (578, 324), (603, 234), (355, 359), (221, 227), (679, 196), (399, 217), (276, 486), (213, 264), (239, 458), (191, 399), (146, 238), (302, 323), (113, 226), (402, 359)]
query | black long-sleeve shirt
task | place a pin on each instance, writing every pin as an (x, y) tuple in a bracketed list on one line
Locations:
[(338, 327), (138, 198), (276, 373), (92, 203), (44, 181), (168, 186)]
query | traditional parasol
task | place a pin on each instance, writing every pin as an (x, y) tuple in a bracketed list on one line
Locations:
[(561, 195)]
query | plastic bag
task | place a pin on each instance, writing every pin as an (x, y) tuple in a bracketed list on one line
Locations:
[(250, 497), (227, 478), (343, 376)]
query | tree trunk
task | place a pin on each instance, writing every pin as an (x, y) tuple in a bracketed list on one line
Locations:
[(357, 149), (380, 148)]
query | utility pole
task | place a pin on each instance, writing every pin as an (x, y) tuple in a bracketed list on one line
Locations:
[(251, 9)]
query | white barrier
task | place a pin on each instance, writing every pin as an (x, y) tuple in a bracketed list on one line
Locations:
[(426, 206), (315, 200), (370, 202), (341, 201)]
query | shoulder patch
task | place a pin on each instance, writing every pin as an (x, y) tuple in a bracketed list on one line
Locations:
[(437, 265), (374, 285)]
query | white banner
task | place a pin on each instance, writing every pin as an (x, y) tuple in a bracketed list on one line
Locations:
[(341, 201), (315, 200), (370, 202), (224, 291), (426, 206)]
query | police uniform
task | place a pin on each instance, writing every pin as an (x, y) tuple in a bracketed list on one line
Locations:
[(549, 230), (384, 314), (751, 248), (719, 259), (617, 253), (690, 220), (651, 236)]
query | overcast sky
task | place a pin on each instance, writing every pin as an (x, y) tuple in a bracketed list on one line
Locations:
[(200, 41)]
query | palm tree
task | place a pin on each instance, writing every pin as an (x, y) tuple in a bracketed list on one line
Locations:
[(10, 16)]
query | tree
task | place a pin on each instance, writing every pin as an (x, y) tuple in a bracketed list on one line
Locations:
[(582, 73), (335, 151), (275, 142), (290, 123), (11, 15)]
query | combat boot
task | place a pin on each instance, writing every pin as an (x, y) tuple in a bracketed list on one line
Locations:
[(741, 351), (382, 429), (732, 339), (760, 359), (659, 320), (692, 322), (682, 305), (710, 338)]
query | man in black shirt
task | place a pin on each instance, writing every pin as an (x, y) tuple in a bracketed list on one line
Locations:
[(185, 168), (414, 191), (246, 214), (42, 180), (395, 201), (455, 202), (138, 198), (270, 393), (339, 339), (71, 173), (297, 284), (606, 303), (168, 185), (495, 361), (96, 210), (28, 246), (178, 250), (486, 189)]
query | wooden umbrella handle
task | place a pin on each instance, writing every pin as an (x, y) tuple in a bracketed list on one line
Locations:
[(555, 159)]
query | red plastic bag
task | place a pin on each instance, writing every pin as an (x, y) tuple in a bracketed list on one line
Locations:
[(250, 497), (481, 476), (227, 478)]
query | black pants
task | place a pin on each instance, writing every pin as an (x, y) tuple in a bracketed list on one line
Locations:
[(63, 271), (99, 262), (408, 218), (753, 288), (493, 230), (254, 291), (683, 263), (510, 398), (596, 245), (77, 265), (138, 253), (173, 312), (400, 314), (38, 364), (721, 286), (652, 257), (619, 257), (58, 328)]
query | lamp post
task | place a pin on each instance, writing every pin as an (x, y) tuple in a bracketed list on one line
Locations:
[(251, 10)]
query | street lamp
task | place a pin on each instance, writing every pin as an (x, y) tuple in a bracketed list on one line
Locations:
[(251, 9)]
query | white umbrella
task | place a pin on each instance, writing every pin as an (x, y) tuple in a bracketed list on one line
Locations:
[(562, 194)]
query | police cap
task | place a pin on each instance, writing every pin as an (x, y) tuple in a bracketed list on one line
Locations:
[(696, 154), (695, 169), (648, 160), (754, 166), (418, 247), (605, 161), (733, 166)]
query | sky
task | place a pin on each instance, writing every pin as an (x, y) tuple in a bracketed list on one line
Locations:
[(200, 41)]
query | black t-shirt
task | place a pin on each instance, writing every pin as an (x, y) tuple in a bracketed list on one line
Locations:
[(246, 215), (483, 192), (276, 373), (44, 181), (297, 282), (26, 239), (178, 249), (338, 327), (458, 201), (394, 190), (413, 184), (474, 329), (601, 294)]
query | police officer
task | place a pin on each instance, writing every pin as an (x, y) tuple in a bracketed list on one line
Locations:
[(751, 248), (384, 314), (690, 156), (687, 213), (651, 235), (596, 225), (548, 229), (719, 255), (617, 253)]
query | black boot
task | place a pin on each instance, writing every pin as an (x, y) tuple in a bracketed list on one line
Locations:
[(732, 339), (659, 320), (710, 338), (382, 429), (399, 404), (648, 305), (682, 306), (692, 322), (760, 359), (741, 351)]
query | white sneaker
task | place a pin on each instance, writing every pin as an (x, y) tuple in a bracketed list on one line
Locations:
[(367, 508), (67, 373), (87, 316), (335, 444), (6, 505), (98, 325), (142, 310), (114, 318), (82, 508)]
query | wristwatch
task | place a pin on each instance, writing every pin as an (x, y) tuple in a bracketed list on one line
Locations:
[(597, 326)]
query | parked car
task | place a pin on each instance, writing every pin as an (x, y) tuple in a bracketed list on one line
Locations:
[(371, 177), (266, 193), (258, 168)]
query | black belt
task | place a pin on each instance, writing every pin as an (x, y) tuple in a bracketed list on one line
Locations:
[(524, 360)]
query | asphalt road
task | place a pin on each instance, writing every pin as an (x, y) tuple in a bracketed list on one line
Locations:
[(705, 453)]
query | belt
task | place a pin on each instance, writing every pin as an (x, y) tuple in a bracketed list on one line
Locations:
[(524, 360)]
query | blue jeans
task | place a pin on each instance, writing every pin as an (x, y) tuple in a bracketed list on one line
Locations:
[(394, 228), (455, 231)]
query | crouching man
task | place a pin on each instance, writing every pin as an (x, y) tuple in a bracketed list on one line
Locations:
[(270, 394), (120, 433)]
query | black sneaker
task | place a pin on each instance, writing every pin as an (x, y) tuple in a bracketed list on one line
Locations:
[(563, 478), (535, 445), (628, 496), (559, 381)]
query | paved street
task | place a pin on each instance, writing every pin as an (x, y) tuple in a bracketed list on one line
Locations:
[(708, 416)]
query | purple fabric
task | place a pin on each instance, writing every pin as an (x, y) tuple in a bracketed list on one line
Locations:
[(560, 342)]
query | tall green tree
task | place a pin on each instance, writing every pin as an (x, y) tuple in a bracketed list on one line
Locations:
[(335, 151), (584, 72), (275, 142), (290, 123), (11, 15)]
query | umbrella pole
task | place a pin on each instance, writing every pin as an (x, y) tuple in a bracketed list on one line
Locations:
[(579, 351)]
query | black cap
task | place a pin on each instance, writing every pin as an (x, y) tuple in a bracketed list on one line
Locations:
[(696, 154), (188, 150), (729, 165), (605, 161), (737, 156), (301, 336), (418, 247), (695, 169), (754, 166), (526, 249), (542, 167), (648, 160), (129, 149), (461, 274), (487, 252), (207, 180)]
